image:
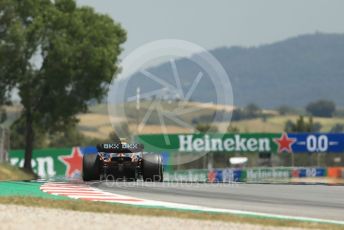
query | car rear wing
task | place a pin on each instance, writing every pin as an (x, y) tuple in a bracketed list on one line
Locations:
[(120, 148)]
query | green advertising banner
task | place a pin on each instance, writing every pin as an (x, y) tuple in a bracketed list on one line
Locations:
[(210, 142), (263, 174), (66, 162), (245, 142), (192, 175)]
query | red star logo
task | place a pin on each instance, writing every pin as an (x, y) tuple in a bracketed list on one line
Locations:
[(285, 143), (73, 162)]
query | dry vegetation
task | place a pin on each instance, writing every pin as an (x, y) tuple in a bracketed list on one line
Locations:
[(96, 123), (8, 172)]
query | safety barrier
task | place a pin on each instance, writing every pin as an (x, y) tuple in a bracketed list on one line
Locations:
[(67, 162), (335, 172), (193, 175), (273, 174)]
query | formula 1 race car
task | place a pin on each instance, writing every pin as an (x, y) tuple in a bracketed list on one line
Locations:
[(122, 161)]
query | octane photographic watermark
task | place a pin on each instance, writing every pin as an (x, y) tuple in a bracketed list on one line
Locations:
[(155, 93), (111, 182)]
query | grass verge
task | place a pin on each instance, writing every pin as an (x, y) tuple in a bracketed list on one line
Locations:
[(9, 172), (102, 207)]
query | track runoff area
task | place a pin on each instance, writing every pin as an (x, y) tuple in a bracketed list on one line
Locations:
[(311, 203)]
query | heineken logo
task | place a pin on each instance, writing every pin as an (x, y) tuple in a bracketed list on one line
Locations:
[(73, 162), (52, 162), (237, 143), (43, 166), (285, 143)]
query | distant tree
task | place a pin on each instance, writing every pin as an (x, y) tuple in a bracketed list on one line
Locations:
[(70, 137), (206, 128), (285, 110), (238, 114), (289, 126), (233, 129), (210, 117), (337, 128), (6, 84), (252, 110), (321, 108), (316, 127), (302, 126), (3, 115), (17, 130), (59, 56), (249, 112)]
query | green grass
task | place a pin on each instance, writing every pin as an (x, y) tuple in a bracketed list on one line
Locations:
[(26, 189), (9, 172), (102, 207)]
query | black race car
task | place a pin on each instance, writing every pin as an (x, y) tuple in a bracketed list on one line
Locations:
[(122, 161)]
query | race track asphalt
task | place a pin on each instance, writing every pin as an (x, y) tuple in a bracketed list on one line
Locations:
[(314, 201)]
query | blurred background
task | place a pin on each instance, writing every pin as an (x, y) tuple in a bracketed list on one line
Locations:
[(284, 60)]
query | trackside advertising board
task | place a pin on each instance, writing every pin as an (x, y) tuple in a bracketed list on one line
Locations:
[(227, 175), (245, 142), (66, 162)]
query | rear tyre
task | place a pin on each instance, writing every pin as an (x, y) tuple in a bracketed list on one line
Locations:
[(152, 168), (90, 167)]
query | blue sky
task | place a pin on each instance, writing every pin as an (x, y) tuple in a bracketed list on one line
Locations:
[(218, 23)]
